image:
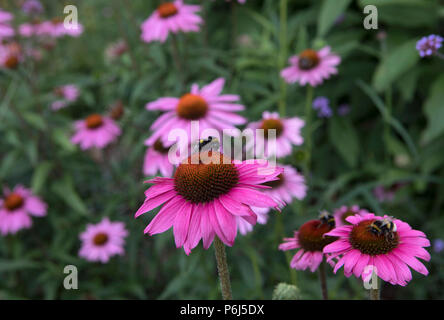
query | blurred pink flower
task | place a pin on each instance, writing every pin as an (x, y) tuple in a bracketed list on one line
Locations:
[(6, 30), (262, 217), (17, 207), (311, 67), (10, 55), (360, 245), (95, 131), (203, 200), (68, 93), (288, 132), (342, 213), (28, 29), (32, 7), (156, 159), (55, 28), (115, 50), (207, 105), (310, 241), (103, 240), (291, 184), (170, 17), (387, 194)]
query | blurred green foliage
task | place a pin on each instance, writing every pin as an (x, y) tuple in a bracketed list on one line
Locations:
[(397, 112)]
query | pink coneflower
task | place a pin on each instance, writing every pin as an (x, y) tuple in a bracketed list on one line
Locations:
[(288, 132), (342, 213), (10, 55), (29, 29), (207, 105), (95, 131), (169, 17), (17, 207), (55, 28), (373, 241), (6, 30), (32, 7), (311, 67), (204, 199), (156, 159), (262, 217), (103, 240), (310, 241), (68, 93), (291, 184)]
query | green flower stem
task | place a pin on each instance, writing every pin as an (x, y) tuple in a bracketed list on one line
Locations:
[(323, 280), (283, 55), (222, 268), (177, 59), (375, 294), (280, 234), (308, 133)]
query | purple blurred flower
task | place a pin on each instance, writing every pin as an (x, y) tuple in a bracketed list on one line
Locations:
[(387, 194), (343, 109), (340, 19), (32, 7), (429, 45), (438, 245), (321, 104), (383, 195)]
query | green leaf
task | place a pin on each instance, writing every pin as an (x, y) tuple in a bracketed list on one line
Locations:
[(40, 176), (64, 188), (388, 117), (8, 162), (405, 13), (407, 84), (330, 11), (397, 62), (60, 138), (344, 138), (8, 265), (35, 120), (434, 111), (302, 39)]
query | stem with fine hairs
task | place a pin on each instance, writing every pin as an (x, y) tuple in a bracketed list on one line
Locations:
[(176, 57), (375, 294), (323, 280), (222, 268)]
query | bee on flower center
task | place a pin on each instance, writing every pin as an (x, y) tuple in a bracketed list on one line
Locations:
[(384, 227), (327, 218), (204, 145)]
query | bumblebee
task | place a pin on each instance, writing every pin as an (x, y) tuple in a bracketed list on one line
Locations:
[(211, 143), (327, 218), (384, 227)]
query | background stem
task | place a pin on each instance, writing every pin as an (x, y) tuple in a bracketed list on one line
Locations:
[(283, 55), (308, 143), (222, 268), (177, 60), (375, 294)]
